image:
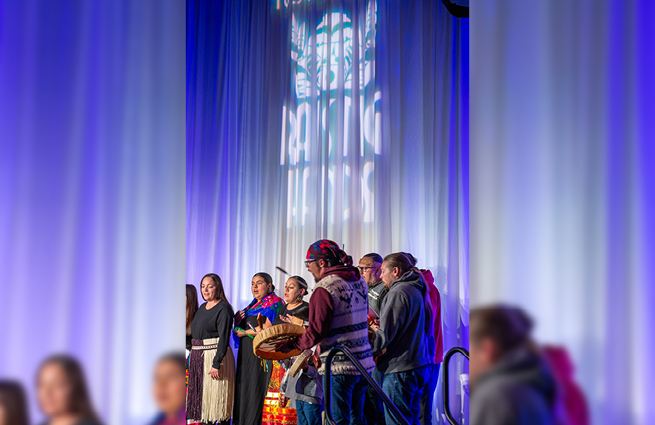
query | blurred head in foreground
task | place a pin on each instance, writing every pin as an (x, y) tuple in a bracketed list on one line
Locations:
[(509, 378), (62, 392), (494, 332), (169, 388), (13, 405)]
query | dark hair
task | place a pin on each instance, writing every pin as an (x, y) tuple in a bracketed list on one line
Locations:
[(14, 403), (301, 282), (375, 257), (411, 258), (80, 401), (175, 357), (191, 303), (267, 278), (330, 253), (402, 261), (343, 259), (509, 327), (220, 292)]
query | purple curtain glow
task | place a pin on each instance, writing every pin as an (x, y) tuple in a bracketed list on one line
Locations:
[(328, 119), (562, 185), (92, 194)]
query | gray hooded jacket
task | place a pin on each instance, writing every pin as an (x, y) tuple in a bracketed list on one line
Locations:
[(406, 327)]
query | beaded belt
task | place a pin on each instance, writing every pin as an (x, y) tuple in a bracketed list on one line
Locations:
[(212, 345)]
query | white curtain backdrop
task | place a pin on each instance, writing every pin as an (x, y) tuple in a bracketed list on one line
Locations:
[(562, 186), (339, 120), (92, 194)]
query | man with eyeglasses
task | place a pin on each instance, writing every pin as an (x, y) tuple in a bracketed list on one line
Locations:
[(338, 311), (370, 268)]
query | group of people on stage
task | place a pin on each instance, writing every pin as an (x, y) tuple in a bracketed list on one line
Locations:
[(385, 311)]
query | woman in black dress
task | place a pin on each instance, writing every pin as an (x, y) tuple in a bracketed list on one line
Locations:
[(296, 311), (210, 396), (62, 392), (254, 373)]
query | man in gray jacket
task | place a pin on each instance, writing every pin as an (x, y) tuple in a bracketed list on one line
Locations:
[(404, 340)]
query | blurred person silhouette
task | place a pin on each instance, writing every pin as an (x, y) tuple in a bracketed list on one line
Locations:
[(572, 404), (13, 404), (169, 389), (191, 309), (511, 382), (62, 392)]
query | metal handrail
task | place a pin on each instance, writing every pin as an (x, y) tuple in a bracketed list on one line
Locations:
[(446, 392), (328, 375)]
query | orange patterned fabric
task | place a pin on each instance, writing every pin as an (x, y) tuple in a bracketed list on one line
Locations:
[(274, 413)]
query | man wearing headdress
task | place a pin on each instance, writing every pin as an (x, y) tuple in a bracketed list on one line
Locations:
[(338, 311)]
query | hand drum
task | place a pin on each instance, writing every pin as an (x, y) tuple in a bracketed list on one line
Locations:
[(295, 368), (265, 342)]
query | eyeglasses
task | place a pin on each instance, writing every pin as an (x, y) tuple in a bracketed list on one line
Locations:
[(364, 268), (308, 262)]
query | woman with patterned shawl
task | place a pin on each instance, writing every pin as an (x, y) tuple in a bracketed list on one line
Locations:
[(253, 373)]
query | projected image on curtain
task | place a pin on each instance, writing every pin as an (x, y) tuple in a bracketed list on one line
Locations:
[(328, 119), (329, 135)]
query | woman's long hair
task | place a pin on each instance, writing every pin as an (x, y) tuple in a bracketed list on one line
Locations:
[(80, 401), (191, 303), (13, 403), (220, 292)]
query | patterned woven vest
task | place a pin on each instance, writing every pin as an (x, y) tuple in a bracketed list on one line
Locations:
[(349, 325)]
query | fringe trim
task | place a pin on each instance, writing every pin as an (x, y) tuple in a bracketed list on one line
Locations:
[(218, 395)]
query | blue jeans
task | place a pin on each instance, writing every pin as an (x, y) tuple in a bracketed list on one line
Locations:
[(347, 398), (373, 406), (308, 414), (405, 390), (427, 399)]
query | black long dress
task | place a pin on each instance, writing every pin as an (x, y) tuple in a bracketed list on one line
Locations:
[(209, 324), (253, 375)]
